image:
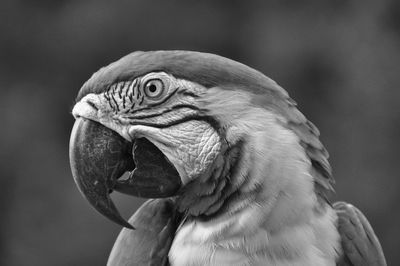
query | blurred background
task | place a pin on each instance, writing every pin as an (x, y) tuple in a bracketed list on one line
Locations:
[(338, 59)]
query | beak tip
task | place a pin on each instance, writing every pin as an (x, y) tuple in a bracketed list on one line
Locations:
[(124, 223), (129, 226)]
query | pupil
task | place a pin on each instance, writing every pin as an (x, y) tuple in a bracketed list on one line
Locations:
[(152, 88)]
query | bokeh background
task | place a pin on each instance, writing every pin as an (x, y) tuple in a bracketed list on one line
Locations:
[(339, 59)]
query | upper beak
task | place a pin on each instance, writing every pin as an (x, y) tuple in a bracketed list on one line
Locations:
[(99, 156)]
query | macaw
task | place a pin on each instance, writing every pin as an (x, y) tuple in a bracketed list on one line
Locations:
[(234, 172)]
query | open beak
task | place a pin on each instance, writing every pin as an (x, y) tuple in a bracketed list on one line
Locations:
[(99, 157)]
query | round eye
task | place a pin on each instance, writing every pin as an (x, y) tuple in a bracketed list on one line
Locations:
[(154, 88)]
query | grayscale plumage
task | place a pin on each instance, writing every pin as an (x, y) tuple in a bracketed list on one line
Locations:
[(244, 176)]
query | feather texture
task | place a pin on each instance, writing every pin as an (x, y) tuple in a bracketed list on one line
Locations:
[(206, 69), (211, 70), (155, 222), (308, 134)]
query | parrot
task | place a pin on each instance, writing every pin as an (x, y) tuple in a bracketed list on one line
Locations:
[(233, 172)]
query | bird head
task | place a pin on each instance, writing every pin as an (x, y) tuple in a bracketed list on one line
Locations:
[(175, 120)]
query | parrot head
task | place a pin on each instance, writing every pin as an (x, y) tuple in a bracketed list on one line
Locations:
[(179, 120)]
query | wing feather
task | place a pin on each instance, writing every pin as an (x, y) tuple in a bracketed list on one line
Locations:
[(155, 222)]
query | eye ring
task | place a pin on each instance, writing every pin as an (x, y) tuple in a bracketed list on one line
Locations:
[(154, 88)]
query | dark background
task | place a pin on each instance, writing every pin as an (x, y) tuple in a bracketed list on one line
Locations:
[(338, 59)]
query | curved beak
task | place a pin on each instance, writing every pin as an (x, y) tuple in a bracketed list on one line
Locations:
[(99, 157)]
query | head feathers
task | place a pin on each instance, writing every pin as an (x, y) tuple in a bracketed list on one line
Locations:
[(206, 69), (211, 70)]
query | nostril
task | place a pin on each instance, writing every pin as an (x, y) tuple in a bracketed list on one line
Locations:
[(93, 105)]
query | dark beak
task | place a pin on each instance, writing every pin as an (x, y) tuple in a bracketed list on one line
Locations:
[(99, 157)]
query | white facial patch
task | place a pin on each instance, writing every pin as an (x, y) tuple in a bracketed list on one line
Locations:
[(191, 146), (95, 107), (124, 107)]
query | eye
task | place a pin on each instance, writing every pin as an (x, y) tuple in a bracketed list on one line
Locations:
[(154, 88)]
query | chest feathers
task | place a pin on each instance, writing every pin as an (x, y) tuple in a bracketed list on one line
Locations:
[(274, 217)]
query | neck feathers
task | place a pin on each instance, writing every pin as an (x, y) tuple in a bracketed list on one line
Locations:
[(270, 214)]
